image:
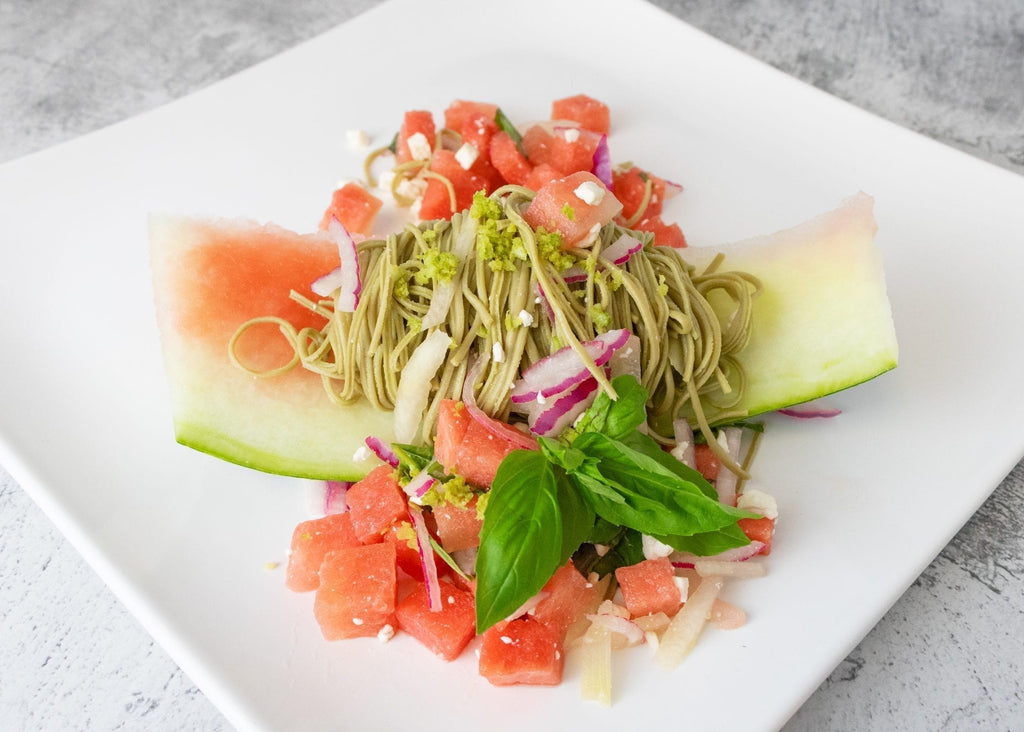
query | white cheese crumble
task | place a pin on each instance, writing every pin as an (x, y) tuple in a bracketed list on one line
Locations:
[(362, 453), (467, 155), (525, 318), (386, 633), (451, 599), (506, 640), (757, 501), (419, 146), (590, 192), (601, 549), (411, 187), (497, 353), (385, 180), (654, 549), (571, 134), (357, 139), (357, 621)]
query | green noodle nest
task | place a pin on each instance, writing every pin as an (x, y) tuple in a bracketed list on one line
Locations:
[(687, 348)]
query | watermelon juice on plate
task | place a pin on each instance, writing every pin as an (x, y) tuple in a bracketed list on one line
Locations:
[(535, 402)]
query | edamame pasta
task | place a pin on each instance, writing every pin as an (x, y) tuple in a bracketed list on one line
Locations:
[(518, 295)]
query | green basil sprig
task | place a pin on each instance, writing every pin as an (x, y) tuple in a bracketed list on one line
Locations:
[(603, 478)]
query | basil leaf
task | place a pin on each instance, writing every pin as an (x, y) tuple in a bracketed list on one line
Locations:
[(564, 456), (521, 538), (506, 126), (656, 501), (624, 549), (615, 418), (412, 458), (708, 543), (604, 532), (646, 445), (577, 516)]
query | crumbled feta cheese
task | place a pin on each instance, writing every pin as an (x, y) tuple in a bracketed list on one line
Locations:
[(683, 583), (451, 599), (466, 155), (357, 139), (601, 549), (497, 353), (525, 318), (540, 398), (419, 146), (385, 180), (362, 453), (757, 501), (386, 633), (558, 655), (411, 187), (571, 134), (654, 549), (357, 621), (506, 640), (590, 192)]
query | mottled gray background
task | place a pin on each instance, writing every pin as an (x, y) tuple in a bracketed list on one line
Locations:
[(948, 654)]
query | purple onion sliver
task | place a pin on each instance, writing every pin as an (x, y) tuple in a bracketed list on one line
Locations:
[(335, 496), (603, 162), (380, 449)]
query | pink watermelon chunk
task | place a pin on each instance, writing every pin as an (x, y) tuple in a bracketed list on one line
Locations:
[(445, 632), (209, 278), (521, 651), (357, 593), (311, 542)]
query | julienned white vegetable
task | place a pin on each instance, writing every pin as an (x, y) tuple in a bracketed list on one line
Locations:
[(730, 438), (444, 293), (414, 386), (681, 634), (712, 567)]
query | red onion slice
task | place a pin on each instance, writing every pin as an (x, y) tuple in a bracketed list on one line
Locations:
[(427, 562), (686, 560), (564, 410), (345, 279), (726, 482), (618, 253), (419, 485), (816, 409), (547, 377), (672, 189), (496, 427), (603, 162), (333, 496), (383, 451)]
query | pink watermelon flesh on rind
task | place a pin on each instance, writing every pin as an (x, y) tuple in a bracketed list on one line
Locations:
[(211, 276)]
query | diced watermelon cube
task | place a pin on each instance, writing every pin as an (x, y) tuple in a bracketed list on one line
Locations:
[(665, 235), (452, 422), (541, 175), (762, 529), (478, 129), (437, 202), (407, 553), (311, 541), (589, 112), (445, 632), (521, 651), (558, 206), (415, 121), (357, 593), (629, 187), (457, 112), (649, 587), (466, 447), (354, 206), (706, 461), (375, 503), (458, 527), (572, 150), (569, 595), (537, 142), (508, 160)]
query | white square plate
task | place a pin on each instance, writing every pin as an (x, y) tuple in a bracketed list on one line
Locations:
[(867, 499)]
